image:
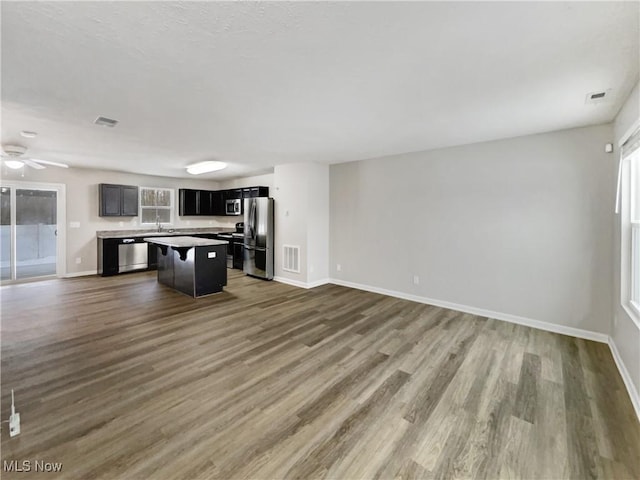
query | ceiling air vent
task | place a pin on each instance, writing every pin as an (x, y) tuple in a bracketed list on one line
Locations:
[(597, 97), (105, 122)]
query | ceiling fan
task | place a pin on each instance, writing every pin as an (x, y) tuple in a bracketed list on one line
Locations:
[(14, 159)]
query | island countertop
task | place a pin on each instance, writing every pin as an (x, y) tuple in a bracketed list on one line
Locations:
[(184, 242), (164, 233)]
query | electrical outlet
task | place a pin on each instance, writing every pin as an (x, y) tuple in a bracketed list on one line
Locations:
[(416, 280), (121, 224), (310, 268), (78, 260), (339, 267), (74, 224)]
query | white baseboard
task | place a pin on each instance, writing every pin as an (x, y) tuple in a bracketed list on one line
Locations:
[(318, 283), (529, 322), (81, 274), (298, 283), (626, 377)]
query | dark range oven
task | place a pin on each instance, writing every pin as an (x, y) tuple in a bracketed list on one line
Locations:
[(228, 237), (235, 250)]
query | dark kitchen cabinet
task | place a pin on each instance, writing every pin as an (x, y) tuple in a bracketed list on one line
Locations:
[(188, 202), (153, 256), (259, 192), (254, 192), (129, 201), (108, 256), (234, 194), (218, 199), (238, 254), (213, 202), (196, 202), (205, 202), (118, 200)]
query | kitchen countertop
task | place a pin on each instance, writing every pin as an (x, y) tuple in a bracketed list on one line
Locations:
[(164, 233), (184, 242)]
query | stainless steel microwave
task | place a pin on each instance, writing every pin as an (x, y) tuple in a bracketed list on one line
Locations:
[(234, 207)]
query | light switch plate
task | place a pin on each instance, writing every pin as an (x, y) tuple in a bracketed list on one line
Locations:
[(74, 224)]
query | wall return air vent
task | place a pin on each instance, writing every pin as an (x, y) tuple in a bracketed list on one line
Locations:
[(105, 122), (291, 258)]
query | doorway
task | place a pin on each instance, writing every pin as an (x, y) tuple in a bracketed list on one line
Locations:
[(31, 231)]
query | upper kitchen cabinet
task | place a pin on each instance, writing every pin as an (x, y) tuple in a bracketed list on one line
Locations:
[(254, 192), (118, 200), (235, 194), (213, 202), (218, 199), (206, 202), (189, 202), (196, 202)]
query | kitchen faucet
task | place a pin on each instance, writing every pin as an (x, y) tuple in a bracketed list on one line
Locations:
[(158, 224)]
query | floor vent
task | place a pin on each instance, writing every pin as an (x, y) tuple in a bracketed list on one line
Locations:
[(291, 258)]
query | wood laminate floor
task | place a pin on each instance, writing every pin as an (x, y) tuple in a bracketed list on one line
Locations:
[(122, 378)]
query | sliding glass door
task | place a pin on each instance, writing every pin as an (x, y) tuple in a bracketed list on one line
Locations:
[(6, 234), (29, 240)]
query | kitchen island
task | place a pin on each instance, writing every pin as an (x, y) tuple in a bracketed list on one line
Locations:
[(191, 265)]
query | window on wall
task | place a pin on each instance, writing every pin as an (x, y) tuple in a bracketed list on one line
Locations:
[(629, 209), (156, 205)]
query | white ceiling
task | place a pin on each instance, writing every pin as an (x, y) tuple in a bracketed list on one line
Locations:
[(260, 84)]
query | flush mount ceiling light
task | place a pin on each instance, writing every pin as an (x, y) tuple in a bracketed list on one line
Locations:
[(205, 167), (14, 164)]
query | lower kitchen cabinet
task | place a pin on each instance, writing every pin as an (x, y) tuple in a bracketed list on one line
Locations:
[(107, 256), (238, 255), (121, 255)]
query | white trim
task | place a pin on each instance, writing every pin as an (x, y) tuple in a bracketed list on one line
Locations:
[(81, 274), (171, 208), (318, 283), (630, 131), (626, 377), (298, 283), (529, 322)]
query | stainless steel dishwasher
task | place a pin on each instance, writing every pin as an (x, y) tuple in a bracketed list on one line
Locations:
[(132, 255)]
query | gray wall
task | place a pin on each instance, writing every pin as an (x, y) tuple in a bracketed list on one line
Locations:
[(519, 226), (625, 333)]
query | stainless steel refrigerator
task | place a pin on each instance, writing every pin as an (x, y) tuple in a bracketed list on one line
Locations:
[(258, 237)]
